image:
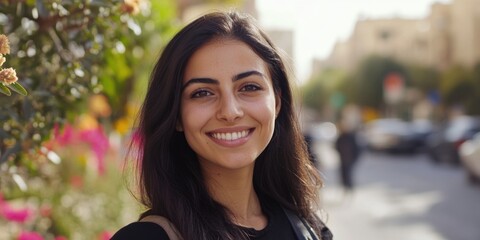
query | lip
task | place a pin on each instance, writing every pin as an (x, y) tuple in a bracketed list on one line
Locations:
[(241, 135)]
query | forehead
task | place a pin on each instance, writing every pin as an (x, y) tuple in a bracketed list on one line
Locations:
[(224, 58)]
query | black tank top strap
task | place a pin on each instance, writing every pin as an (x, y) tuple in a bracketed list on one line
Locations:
[(304, 231)]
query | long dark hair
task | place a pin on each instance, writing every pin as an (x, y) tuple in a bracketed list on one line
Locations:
[(170, 180)]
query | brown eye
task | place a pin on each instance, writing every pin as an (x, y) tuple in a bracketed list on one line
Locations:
[(250, 88), (201, 93)]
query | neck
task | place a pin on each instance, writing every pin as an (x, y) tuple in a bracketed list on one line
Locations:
[(234, 190)]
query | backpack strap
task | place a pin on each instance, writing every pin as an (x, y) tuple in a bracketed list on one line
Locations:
[(169, 228), (302, 230)]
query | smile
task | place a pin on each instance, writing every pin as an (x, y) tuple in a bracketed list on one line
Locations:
[(230, 136)]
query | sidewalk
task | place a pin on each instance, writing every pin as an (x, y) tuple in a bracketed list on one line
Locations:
[(372, 212)]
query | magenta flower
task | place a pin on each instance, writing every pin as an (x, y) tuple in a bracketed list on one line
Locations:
[(14, 215), (99, 143), (66, 136), (104, 235), (29, 236)]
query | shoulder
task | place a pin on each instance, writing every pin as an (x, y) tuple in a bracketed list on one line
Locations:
[(141, 231)]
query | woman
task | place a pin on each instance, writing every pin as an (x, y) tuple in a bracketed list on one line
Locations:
[(222, 155)]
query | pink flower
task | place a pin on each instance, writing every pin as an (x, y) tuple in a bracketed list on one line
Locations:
[(14, 215), (66, 136), (4, 44), (76, 181), (99, 143), (104, 235), (8, 75), (29, 236), (45, 211)]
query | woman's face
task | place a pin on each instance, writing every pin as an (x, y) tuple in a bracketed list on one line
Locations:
[(228, 105)]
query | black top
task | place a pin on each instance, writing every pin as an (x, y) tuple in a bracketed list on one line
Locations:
[(278, 227), (141, 231)]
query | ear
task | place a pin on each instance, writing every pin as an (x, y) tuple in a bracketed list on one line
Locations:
[(278, 104), (178, 126)]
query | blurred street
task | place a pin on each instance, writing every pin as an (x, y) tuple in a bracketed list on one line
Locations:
[(403, 197)]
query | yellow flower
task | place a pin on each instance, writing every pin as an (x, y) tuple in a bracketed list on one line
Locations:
[(123, 125), (8, 76), (4, 44), (2, 60)]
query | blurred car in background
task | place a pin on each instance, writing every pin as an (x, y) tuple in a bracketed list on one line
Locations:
[(443, 144), (469, 153), (395, 135)]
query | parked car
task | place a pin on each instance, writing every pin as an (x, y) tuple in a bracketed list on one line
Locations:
[(443, 144), (394, 135), (470, 157), (422, 128)]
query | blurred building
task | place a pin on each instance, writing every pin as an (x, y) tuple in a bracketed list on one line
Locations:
[(465, 31), (189, 10), (450, 34), (283, 40)]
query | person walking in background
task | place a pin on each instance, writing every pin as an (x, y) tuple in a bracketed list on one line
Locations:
[(348, 152), (220, 151)]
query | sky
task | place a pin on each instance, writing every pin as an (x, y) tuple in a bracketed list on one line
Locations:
[(318, 24)]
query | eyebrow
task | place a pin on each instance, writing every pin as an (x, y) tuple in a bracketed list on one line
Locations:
[(214, 81)]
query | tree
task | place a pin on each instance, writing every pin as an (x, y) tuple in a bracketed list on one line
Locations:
[(473, 103), (457, 87), (423, 78), (318, 91), (64, 52), (368, 80)]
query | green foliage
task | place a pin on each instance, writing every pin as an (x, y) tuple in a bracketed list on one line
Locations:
[(314, 94), (18, 88), (129, 62), (368, 79), (423, 78), (71, 199), (64, 52), (318, 91), (460, 87), (57, 52), (5, 90)]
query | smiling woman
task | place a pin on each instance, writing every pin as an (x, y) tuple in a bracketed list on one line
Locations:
[(221, 153), (237, 98)]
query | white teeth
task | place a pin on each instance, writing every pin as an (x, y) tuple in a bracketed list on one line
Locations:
[(230, 136)]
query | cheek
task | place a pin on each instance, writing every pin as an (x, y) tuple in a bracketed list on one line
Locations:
[(193, 118), (265, 112)]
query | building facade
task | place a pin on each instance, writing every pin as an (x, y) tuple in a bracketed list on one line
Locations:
[(449, 35)]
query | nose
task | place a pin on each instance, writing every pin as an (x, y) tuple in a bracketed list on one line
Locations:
[(229, 109)]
